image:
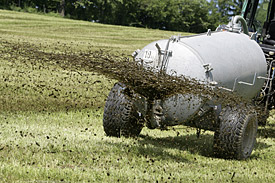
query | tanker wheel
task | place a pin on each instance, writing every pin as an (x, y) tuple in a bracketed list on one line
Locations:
[(236, 135), (120, 116)]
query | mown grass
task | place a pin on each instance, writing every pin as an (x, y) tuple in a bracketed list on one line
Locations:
[(51, 119)]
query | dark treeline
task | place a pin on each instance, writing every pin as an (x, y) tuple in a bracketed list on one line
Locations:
[(179, 15)]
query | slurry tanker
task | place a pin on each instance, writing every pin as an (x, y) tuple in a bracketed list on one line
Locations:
[(237, 58)]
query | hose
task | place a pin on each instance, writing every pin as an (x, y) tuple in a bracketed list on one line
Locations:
[(243, 22)]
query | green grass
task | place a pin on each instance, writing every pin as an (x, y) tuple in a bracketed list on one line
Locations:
[(51, 119)]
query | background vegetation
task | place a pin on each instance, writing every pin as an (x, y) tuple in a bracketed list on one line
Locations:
[(51, 118), (177, 15)]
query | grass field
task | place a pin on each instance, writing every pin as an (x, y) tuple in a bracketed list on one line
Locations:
[(51, 119)]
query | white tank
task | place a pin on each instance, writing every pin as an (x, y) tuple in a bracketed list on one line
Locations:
[(230, 60)]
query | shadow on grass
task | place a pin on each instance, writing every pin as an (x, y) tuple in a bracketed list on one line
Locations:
[(267, 131), (190, 143), (202, 146), (158, 147), (151, 153)]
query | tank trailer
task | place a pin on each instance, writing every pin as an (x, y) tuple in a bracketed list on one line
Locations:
[(234, 58)]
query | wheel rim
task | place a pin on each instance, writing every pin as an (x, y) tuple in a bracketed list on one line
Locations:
[(249, 137)]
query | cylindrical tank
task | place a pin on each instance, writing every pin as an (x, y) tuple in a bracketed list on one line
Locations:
[(231, 60)]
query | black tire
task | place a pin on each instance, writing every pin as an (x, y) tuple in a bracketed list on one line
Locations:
[(120, 117), (236, 136)]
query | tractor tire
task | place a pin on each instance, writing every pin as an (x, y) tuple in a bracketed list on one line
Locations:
[(120, 117), (236, 136)]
